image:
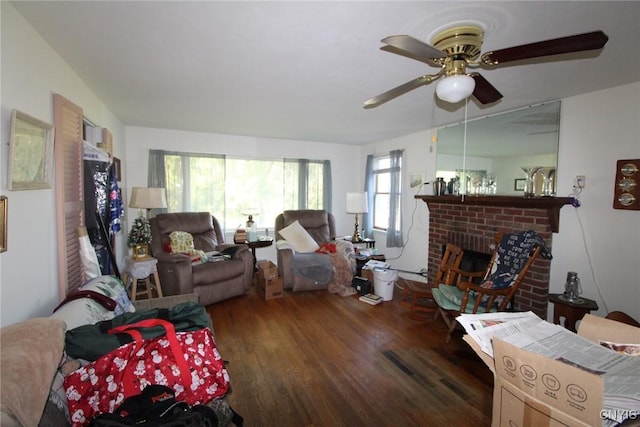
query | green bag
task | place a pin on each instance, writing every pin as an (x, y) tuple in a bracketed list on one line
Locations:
[(90, 342)]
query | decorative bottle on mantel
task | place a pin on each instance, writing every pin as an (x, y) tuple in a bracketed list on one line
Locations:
[(439, 187)]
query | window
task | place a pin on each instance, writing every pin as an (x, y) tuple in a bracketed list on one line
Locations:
[(381, 187), (383, 181), (233, 188)]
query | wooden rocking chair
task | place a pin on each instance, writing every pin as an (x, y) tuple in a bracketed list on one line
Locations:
[(467, 297), (417, 296)]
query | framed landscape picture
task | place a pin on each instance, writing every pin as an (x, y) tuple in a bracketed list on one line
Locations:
[(30, 153)]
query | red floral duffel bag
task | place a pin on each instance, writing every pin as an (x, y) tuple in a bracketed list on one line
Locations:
[(188, 362)]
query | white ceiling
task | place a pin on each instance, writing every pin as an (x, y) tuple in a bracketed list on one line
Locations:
[(301, 70)]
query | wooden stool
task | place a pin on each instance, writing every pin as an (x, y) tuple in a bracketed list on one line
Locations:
[(140, 271)]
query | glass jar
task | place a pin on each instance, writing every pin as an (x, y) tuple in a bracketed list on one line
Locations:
[(572, 289), (252, 230)]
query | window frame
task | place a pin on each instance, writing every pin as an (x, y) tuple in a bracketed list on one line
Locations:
[(376, 173), (309, 182)]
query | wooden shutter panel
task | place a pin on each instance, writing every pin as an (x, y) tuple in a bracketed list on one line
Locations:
[(69, 191)]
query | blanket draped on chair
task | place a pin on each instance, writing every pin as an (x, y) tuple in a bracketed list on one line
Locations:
[(512, 254), (333, 264), (313, 266)]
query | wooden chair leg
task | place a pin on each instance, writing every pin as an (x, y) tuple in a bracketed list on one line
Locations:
[(449, 321), (450, 331)]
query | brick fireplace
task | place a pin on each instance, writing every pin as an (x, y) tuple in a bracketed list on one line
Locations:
[(471, 223)]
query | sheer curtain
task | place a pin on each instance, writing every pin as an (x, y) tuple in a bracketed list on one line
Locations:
[(327, 184), (394, 230), (367, 218), (302, 180), (306, 183), (156, 175), (181, 175)]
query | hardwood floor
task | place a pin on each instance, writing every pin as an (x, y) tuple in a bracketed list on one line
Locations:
[(318, 359)]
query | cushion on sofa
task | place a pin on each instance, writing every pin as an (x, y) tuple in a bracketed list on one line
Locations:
[(84, 310), (299, 238), (181, 242), (27, 373)]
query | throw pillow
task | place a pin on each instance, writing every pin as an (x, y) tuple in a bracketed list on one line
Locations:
[(181, 242), (299, 238), (27, 373)]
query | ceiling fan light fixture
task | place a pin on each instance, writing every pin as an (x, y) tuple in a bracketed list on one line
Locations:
[(455, 88)]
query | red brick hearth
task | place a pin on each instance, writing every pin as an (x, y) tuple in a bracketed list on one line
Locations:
[(472, 222)]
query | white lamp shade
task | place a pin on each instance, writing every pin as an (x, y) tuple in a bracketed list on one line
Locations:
[(357, 203), (147, 198), (455, 88)]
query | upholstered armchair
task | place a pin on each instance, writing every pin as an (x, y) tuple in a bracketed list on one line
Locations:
[(211, 281), (320, 226)]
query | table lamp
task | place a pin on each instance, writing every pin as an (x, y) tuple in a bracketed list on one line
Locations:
[(140, 233), (357, 204), (147, 198)]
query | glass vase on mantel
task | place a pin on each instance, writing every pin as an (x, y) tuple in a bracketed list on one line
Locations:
[(548, 174), (530, 184)]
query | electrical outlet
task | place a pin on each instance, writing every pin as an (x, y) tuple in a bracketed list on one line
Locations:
[(581, 181)]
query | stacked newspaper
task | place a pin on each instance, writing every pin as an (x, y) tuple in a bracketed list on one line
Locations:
[(620, 371)]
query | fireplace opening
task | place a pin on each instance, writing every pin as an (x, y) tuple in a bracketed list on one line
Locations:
[(473, 261)]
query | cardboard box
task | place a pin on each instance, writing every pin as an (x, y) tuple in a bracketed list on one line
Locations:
[(267, 270), (533, 390), (272, 288)]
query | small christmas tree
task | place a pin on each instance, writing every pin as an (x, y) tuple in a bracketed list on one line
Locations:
[(140, 233)]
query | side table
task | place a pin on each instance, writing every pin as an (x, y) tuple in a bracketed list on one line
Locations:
[(572, 311), (362, 260), (262, 242), (141, 270), (369, 243)]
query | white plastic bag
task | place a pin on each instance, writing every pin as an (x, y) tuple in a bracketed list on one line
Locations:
[(90, 264)]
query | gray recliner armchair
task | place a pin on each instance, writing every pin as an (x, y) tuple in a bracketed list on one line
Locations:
[(211, 281), (320, 225)]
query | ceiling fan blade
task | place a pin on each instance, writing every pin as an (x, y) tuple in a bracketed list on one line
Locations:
[(577, 43), (400, 90), (484, 91), (397, 51), (412, 48)]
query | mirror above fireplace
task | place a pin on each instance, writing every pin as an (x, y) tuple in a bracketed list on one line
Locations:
[(497, 149)]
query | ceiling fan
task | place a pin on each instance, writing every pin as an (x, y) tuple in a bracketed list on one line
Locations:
[(457, 48)]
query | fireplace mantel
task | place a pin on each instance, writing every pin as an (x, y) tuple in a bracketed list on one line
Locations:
[(551, 204)]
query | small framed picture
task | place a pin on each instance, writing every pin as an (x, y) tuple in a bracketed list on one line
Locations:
[(415, 179), (117, 166), (3, 223), (519, 184), (30, 153)]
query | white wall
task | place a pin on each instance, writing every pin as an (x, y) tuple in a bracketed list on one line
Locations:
[(419, 157), (31, 73), (602, 244)]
